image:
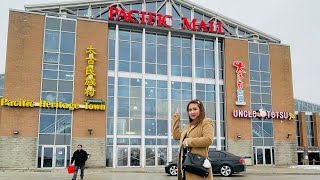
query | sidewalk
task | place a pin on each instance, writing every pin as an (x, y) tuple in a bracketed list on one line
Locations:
[(301, 170)]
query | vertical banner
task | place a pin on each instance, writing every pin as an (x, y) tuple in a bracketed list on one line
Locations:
[(240, 73), (90, 81)]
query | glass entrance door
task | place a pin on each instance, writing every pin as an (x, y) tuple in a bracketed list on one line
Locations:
[(47, 157), (156, 156), (128, 156), (54, 157), (263, 156), (60, 157)]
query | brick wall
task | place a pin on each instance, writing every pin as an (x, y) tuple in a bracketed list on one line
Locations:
[(90, 119), (316, 120), (282, 91), (236, 50), (240, 148), (285, 153), (96, 147), (303, 129), (23, 73), (18, 152)]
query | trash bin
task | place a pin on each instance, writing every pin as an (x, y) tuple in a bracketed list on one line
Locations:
[(247, 160)]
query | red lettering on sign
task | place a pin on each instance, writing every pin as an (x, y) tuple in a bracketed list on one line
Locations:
[(203, 26), (187, 25), (136, 16), (130, 16)]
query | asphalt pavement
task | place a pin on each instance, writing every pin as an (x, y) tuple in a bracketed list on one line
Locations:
[(252, 173)]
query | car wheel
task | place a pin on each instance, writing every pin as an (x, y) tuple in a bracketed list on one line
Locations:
[(173, 170), (225, 170)]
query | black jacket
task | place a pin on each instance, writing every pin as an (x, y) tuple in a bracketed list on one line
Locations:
[(79, 157)]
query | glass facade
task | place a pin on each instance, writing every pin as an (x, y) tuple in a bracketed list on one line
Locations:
[(298, 136), (305, 106), (310, 130), (260, 89), (150, 76), (57, 85), (1, 84)]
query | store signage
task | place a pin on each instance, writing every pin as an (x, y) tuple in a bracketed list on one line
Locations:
[(51, 105), (240, 92), (262, 114), (94, 101), (90, 81), (161, 20)]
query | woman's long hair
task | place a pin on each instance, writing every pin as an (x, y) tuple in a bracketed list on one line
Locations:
[(202, 111)]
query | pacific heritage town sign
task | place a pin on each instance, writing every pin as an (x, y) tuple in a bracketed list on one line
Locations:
[(161, 20), (51, 105)]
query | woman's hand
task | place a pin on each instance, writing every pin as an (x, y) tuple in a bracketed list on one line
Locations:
[(176, 115), (185, 143)]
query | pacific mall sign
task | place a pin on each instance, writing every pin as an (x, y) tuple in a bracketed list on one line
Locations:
[(151, 18)]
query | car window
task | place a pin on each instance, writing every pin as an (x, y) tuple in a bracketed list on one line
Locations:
[(214, 154)]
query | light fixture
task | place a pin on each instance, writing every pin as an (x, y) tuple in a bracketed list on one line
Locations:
[(289, 134), (239, 136), (15, 132), (90, 131)]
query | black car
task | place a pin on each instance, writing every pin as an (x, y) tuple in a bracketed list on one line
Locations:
[(222, 162)]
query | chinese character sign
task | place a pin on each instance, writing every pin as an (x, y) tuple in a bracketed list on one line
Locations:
[(240, 93), (90, 81)]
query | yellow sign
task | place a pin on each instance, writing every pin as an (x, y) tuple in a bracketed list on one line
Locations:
[(51, 105), (20, 103), (90, 81), (291, 116)]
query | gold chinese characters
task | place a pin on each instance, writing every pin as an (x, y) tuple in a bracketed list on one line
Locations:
[(90, 81)]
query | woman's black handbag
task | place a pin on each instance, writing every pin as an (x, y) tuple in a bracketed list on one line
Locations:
[(193, 163)]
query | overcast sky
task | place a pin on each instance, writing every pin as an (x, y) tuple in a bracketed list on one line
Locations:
[(295, 22)]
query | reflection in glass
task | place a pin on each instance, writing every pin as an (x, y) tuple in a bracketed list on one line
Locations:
[(122, 156), (150, 127), (162, 156), (135, 157), (47, 156), (63, 124), (65, 86), (47, 123), (68, 25), (51, 41), (150, 157), (53, 23), (50, 57), (67, 42)]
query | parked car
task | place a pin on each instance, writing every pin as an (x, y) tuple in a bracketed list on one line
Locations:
[(222, 162)]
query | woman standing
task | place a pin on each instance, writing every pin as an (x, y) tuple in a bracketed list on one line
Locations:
[(197, 135)]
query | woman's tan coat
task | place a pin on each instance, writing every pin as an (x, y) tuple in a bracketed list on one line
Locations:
[(200, 138)]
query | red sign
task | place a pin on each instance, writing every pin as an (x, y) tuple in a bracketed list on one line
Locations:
[(161, 20), (240, 93)]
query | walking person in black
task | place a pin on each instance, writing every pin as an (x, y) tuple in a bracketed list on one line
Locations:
[(79, 157)]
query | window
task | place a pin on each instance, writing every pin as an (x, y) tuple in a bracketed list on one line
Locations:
[(130, 45), (204, 55), (156, 107), (181, 59), (310, 130), (260, 89), (298, 130), (57, 81), (156, 54)]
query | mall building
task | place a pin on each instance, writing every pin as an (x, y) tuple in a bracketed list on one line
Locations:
[(109, 75)]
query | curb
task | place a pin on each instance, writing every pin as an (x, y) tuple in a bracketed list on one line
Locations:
[(256, 171)]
